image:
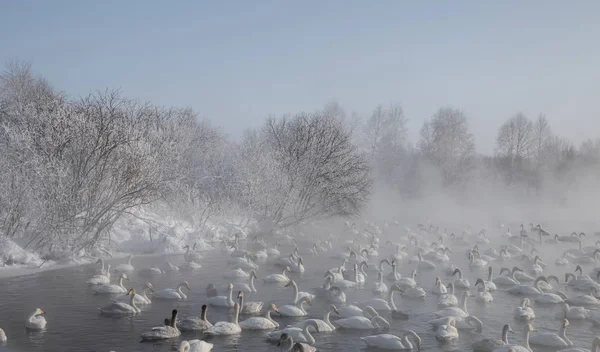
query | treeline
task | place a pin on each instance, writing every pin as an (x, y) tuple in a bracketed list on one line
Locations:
[(70, 168)]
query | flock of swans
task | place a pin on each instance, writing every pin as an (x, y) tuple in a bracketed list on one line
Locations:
[(522, 272)]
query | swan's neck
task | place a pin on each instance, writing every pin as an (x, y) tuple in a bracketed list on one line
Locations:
[(121, 282), (268, 316), (380, 280), (252, 283), (132, 302), (203, 315), (394, 271), (464, 303), (326, 318), (490, 276), (309, 337), (102, 261), (229, 298), (355, 275), (301, 307), (563, 334), (236, 315), (283, 273), (362, 270), (145, 295), (527, 340), (129, 260), (295, 292), (407, 343), (242, 302), (391, 300), (505, 336)]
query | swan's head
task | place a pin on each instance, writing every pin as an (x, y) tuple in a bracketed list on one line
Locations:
[(124, 276), (284, 337), (38, 311), (508, 328), (565, 323), (274, 308), (530, 328), (334, 309), (479, 281), (187, 285), (437, 281), (131, 292), (287, 268), (240, 294), (290, 283), (150, 287)]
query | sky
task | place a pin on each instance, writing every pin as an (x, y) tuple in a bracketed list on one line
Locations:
[(237, 62)]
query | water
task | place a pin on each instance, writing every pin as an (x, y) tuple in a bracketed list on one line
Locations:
[(75, 325)]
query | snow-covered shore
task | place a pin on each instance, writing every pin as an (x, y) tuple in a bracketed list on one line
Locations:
[(145, 234)]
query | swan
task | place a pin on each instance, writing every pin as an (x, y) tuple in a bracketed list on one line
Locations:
[(191, 255), (476, 262), (112, 288), (298, 334), (138, 299), (246, 288), (261, 323), (583, 283), (343, 283), (236, 274), (394, 275), (335, 295), (3, 338), (448, 299), (169, 267), (414, 292), (467, 323), (460, 282), (150, 272), (573, 313), (551, 339), (439, 288), (296, 310), (407, 282), (227, 327), (550, 298), (522, 276), (392, 342), (517, 348), (524, 311), (36, 321), (195, 323), (585, 300), (363, 323), (194, 346), (125, 268), (455, 311), (103, 277), (425, 264), (488, 345), (508, 280), (379, 286), (482, 294), (163, 332), (297, 266), (595, 347), (223, 301), (353, 311), (489, 284), (249, 307), (171, 293), (278, 278), (120, 308), (189, 266), (447, 332), (324, 325), (529, 290), (381, 304), (297, 294), (296, 347), (562, 261)]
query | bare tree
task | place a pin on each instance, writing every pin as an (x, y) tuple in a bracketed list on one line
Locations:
[(447, 143), (514, 144)]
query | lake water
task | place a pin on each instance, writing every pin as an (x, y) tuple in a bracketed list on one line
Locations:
[(74, 323)]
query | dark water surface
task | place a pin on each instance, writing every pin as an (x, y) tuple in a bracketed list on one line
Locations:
[(75, 325)]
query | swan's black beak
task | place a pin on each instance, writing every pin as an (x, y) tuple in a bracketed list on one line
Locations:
[(279, 343)]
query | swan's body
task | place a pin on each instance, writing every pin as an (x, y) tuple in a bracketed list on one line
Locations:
[(325, 325), (524, 311), (125, 268), (448, 299), (447, 333), (103, 289), (121, 308), (489, 345), (227, 327), (195, 323), (455, 311), (296, 310), (138, 299), (172, 293), (551, 339), (278, 278), (223, 301), (362, 323), (393, 342), (163, 332), (194, 346), (261, 323), (298, 334), (36, 321)]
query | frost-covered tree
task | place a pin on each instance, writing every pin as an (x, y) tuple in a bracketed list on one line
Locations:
[(447, 143), (514, 143)]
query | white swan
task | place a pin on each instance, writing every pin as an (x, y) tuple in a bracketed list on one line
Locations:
[(297, 266), (550, 298), (595, 347), (455, 311), (425, 264), (3, 338), (112, 288), (551, 339), (392, 342), (470, 323), (476, 262), (335, 295), (236, 274), (585, 300), (508, 280), (573, 313), (163, 332), (227, 327), (297, 294), (191, 255), (354, 311), (296, 310), (246, 288), (408, 282), (261, 323), (460, 282), (489, 345), (447, 332), (138, 299), (325, 325), (524, 311), (120, 308), (414, 292), (125, 268), (103, 277), (362, 323), (380, 304), (527, 289), (172, 293), (249, 307), (194, 346), (448, 299), (36, 321), (298, 334), (394, 275), (489, 284), (517, 348), (278, 278), (439, 288), (482, 295), (195, 323), (223, 301)]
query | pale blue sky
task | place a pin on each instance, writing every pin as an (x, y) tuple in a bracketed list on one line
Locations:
[(236, 62)]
